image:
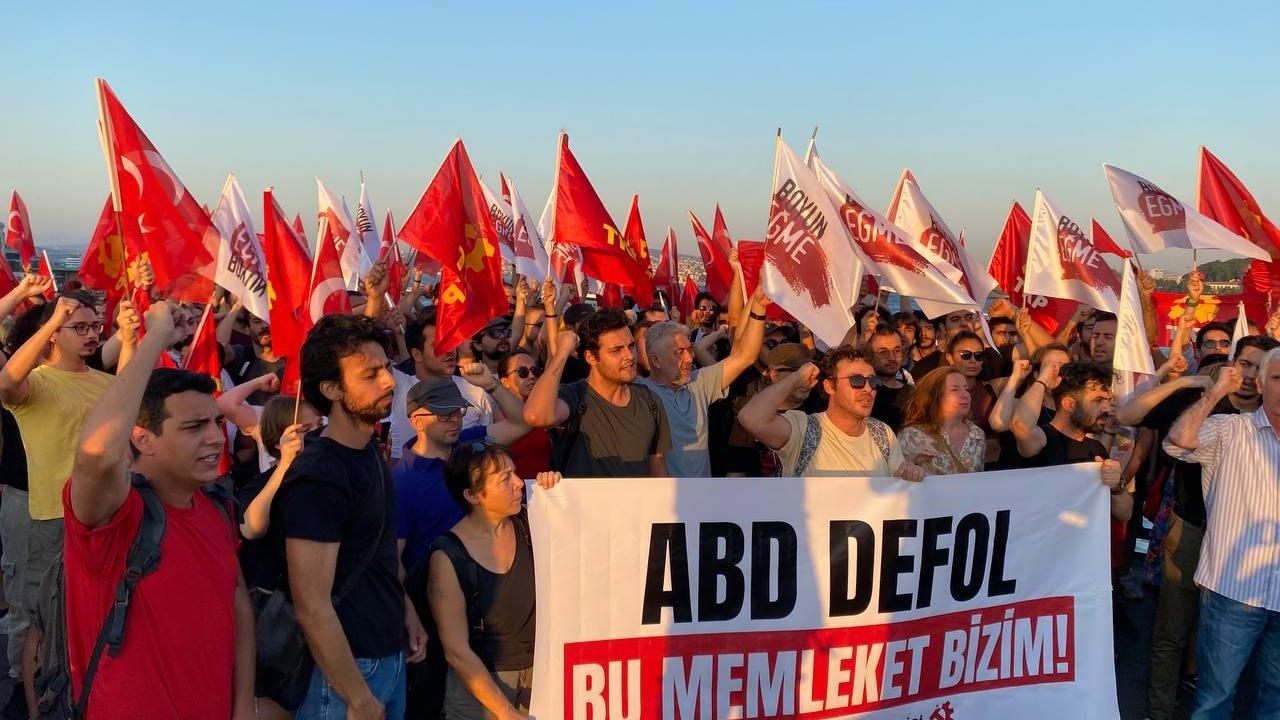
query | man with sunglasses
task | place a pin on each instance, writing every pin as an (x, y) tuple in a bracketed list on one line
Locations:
[(492, 342), (50, 389), (844, 440), (1213, 339)]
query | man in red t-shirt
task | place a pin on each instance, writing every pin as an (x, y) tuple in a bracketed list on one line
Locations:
[(188, 643)]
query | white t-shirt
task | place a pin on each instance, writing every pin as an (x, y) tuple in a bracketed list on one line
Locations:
[(480, 412), (838, 454)]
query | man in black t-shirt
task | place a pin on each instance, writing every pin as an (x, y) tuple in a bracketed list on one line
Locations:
[(337, 510), (892, 397), (246, 362)]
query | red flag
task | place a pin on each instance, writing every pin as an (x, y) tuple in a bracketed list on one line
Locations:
[(397, 272), (327, 294), (636, 238), (205, 356), (581, 221), (288, 271), (506, 189), (1103, 243), (667, 276), (18, 236), (176, 234), (714, 256), (452, 224), (7, 281), (750, 260), (46, 270), (300, 230), (1008, 266), (1224, 198), (108, 262), (610, 296), (688, 298)]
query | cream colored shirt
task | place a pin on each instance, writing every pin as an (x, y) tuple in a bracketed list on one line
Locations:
[(838, 454)]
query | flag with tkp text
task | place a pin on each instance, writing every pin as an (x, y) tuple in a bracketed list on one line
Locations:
[(831, 597)]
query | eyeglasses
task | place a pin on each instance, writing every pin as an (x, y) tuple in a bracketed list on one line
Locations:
[(886, 352), (967, 355), (1222, 344), (706, 309), (857, 382), (498, 333), (525, 372), (443, 417), (85, 328)]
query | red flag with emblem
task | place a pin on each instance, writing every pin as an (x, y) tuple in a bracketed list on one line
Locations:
[(18, 235), (714, 256), (175, 232), (205, 356), (397, 271), (452, 224), (1008, 266), (582, 222), (667, 276), (1103, 242), (288, 270), (108, 260), (636, 239), (1223, 197)]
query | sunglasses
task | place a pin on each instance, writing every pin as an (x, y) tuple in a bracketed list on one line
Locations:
[(771, 344), (1216, 344), (967, 355), (501, 333), (524, 372), (85, 328), (857, 382)]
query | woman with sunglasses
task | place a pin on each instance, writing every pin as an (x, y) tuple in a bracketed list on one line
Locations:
[(936, 427), (518, 372), (480, 586), (965, 354)]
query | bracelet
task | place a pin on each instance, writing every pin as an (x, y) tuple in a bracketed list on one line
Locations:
[(1038, 380), (551, 315), (757, 316)]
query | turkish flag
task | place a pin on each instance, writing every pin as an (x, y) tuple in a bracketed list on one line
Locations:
[(336, 228), (688, 299), (1104, 244), (666, 277), (581, 221), (327, 294), (635, 236), (1224, 198), (288, 290), (397, 271), (177, 237), (46, 270), (714, 249), (452, 224), (18, 236), (1008, 266), (302, 233)]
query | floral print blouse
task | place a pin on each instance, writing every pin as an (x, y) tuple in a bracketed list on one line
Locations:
[(914, 440)]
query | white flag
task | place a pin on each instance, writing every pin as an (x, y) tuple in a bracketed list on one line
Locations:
[(887, 251), (912, 211), (1133, 352), (1062, 262), (806, 268), (367, 226), (1242, 329), (531, 253), (503, 222), (337, 227), (1156, 220), (241, 268)]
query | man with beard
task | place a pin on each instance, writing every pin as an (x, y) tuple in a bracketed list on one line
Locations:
[(492, 342), (686, 392), (50, 389), (246, 362), (926, 343), (337, 511), (1082, 393), (1102, 341), (606, 425), (892, 397), (703, 317)]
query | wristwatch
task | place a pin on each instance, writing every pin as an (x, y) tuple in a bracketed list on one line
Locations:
[(757, 316)]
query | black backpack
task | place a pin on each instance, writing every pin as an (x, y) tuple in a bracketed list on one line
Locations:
[(565, 437), (53, 673)]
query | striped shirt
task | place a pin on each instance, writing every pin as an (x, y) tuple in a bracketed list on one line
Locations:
[(1240, 460)]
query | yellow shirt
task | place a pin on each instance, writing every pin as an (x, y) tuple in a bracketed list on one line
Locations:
[(50, 420)]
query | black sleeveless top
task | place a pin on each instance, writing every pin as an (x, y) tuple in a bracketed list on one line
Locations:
[(506, 605)]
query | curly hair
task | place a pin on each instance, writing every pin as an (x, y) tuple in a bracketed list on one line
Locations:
[(597, 324), (333, 338), (845, 353), (1076, 377)]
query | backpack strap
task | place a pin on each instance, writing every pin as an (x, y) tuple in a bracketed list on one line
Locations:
[(809, 445), (143, 558), (225, 502), (651, 400), (468, 572), (567, 436), (880, 436)]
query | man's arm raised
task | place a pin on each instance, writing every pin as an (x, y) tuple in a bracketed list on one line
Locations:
[(760, 415), (100, 476), (544, 408)]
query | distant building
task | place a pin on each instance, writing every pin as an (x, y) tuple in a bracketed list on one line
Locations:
[(1157, 274)]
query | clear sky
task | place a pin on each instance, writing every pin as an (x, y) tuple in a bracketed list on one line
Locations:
[(677, 101)]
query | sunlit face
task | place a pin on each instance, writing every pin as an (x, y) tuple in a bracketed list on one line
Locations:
[(522, 374), (503, 491), (671, 361), (1248, 360), (1213, 341), (80, 335), (442, 428), (888, 353), (1005, 334), (1271, 386), (955, 399), (1090, 411), (366, 386), (854, 401), (962, 320), (967, 356), (1102, 343), (428, 361), (189, 444), (616, 358)]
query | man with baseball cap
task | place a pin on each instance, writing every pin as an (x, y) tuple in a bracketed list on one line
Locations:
[(492, 342), (754, 458)]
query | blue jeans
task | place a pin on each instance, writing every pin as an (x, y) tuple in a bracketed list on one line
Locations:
[(1229, 633), (385, 677)]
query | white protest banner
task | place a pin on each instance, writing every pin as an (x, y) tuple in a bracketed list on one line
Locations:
[(964, 597)]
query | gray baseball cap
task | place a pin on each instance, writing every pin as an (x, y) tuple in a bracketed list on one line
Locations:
[(438, 395)]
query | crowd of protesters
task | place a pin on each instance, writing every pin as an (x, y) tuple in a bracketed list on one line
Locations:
[(368, 554)]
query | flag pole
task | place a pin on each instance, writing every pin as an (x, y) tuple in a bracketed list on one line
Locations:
[(106, 138)]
